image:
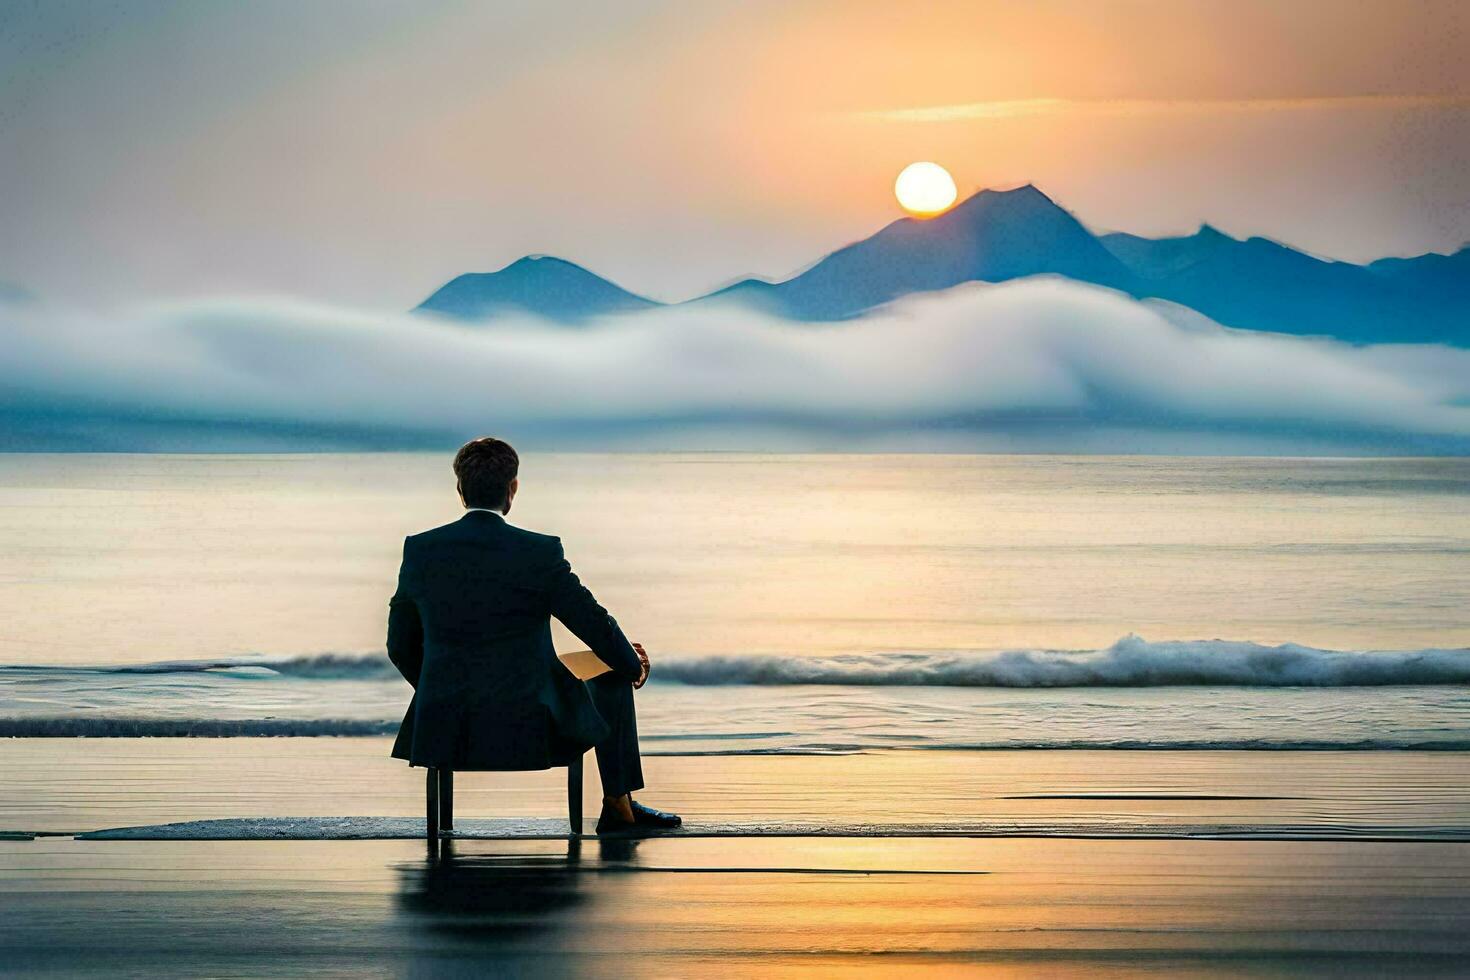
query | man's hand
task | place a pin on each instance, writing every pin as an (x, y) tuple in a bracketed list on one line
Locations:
[(642, 659)]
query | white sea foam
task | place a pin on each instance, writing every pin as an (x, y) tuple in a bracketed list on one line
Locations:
[(1131, 662)]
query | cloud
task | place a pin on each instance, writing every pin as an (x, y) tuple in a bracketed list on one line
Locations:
[(1041, 364), (1017, 108)]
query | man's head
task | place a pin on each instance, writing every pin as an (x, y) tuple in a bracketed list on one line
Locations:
[(486, 469)]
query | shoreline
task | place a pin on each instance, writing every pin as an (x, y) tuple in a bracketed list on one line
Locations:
[(77, 786)]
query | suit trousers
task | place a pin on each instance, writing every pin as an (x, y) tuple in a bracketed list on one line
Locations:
[(618, 762)]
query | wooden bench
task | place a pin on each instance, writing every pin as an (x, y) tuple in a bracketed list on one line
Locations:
[(440, 794)]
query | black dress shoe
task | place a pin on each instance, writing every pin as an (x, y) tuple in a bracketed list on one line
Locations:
[(647, 816), (610, 824), (646, 820)]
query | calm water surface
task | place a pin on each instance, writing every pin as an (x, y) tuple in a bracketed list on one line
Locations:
[(138, 558)]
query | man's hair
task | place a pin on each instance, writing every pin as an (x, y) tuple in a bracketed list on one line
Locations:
[(485, 468)]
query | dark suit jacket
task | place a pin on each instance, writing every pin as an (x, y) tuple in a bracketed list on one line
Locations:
[(470, 628)]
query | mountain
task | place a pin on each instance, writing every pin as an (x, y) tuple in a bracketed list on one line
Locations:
[(1258, 284), (540, 285), (1252, 284), (1445, 279), (1157, 258), (992, 236)]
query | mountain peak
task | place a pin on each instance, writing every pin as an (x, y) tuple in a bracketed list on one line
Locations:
[(541, 260), (1026, 190), (991, 236), (542, 285), (1027, 197)]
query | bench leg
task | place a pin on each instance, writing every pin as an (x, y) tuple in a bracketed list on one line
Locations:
[(446, 800), (432, 794), (574, 795)]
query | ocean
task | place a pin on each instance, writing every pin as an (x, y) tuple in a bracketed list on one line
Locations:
[(792, 604)]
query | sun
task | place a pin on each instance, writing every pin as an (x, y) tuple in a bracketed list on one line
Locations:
[(924, 189)]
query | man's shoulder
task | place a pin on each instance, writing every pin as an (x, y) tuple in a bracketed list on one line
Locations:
[(456, 530), (442, 532), (535, 540)]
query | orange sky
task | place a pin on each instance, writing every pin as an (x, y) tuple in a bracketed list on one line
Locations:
[(364, 153)]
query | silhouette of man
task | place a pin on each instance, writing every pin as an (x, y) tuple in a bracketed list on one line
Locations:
[(470, 628)]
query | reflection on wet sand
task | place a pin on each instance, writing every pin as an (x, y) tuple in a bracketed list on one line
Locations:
[(733, 907), (486, 898)]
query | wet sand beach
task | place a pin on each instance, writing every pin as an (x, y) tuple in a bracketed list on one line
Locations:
[(960, 862), (734, 907)]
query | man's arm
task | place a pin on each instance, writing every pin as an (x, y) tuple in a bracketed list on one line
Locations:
[(405, 629), (575, 606)]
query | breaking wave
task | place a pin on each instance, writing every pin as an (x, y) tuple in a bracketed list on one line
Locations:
[(316, 666), (1131, 662)]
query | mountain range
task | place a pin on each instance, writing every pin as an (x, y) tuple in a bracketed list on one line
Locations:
[(996, 236)]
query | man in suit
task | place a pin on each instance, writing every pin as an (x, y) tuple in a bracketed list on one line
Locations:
[(470, 629)]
